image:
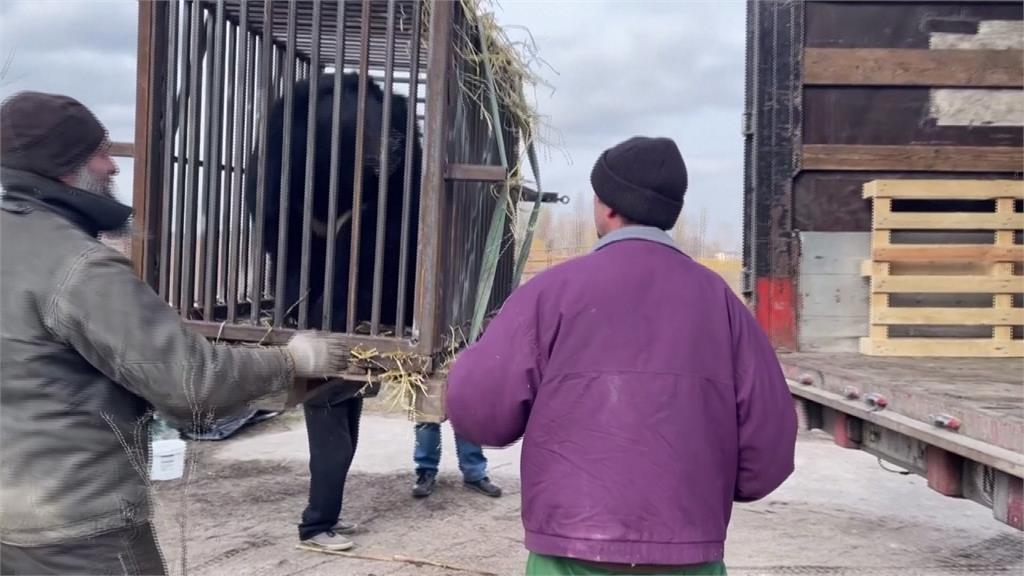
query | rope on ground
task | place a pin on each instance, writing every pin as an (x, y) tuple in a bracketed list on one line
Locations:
[(418, 562), (894, 471)]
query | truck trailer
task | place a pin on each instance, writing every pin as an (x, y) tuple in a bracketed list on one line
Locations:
[(882, 229)]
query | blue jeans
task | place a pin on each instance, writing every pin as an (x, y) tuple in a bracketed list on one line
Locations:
[(427, 456)]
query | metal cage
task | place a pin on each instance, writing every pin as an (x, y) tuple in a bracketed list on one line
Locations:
[(243, 166)]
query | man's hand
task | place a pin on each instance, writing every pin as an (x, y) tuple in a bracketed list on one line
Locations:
[(316, 354)]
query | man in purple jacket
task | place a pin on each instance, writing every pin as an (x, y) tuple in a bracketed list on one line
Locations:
[(648, 398)]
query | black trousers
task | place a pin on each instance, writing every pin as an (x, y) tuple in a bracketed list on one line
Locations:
[(128, 552), (332, 426)]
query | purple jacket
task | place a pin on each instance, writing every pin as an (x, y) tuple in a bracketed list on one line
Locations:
[(648, 399)]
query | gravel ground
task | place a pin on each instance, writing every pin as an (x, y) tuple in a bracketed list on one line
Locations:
[(840, 513)]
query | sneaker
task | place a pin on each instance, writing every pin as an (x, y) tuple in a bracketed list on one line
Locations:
[(343, 527), (485, 487), (329, 540), (425, 483)]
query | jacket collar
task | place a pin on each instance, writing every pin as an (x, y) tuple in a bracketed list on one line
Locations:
[(93, 213), (648, 233)]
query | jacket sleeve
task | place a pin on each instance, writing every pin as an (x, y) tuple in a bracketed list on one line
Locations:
[(492, 384), (765, 412), (117, 323)]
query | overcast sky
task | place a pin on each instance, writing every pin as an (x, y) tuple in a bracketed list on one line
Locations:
[(617, 68)]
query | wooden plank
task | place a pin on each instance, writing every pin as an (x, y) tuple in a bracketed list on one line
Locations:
[(833, 201), (1002, 271), (475, 173), (948, 252), (868, 158), (880, 209), (898, 24), (904, 116), (879, 302), (880, 239), (122, 149), (942, 269), (945, 189), (946, 284), (943, 347), (913, 67), (948, 316), (948, 221)]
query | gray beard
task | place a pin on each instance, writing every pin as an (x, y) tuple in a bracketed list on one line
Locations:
[(89, 182), (86, 180)]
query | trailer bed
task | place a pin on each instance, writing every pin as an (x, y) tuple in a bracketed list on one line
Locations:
[(958, 422), (985, 394)]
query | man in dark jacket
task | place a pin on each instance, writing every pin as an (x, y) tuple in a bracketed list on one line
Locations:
[(647, 397), (88, 350)]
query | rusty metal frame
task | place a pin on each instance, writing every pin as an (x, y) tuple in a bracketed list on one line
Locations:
[(148, 163), (433, 199), (775, 39)]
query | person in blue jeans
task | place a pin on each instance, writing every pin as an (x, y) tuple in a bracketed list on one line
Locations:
[(472, 463)]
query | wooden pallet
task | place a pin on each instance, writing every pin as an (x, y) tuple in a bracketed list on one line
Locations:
[(944, 271)]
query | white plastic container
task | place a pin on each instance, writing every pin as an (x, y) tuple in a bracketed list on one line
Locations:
[(168, 459)]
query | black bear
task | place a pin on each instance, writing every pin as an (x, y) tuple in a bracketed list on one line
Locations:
[(375, 131)]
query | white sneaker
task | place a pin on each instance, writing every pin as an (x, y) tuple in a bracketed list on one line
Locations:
[(330, 540), (343, 527)]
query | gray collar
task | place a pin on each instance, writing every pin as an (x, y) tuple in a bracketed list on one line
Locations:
[(648, 233)]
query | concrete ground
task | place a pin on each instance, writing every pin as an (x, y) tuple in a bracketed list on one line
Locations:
[(840, 513)]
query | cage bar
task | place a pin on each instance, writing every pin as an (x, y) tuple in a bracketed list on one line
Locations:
[(230, 171), (410, 132), (357, 183), (286, 167), (307, 205), (212, 170), (242, 110), (170, 125), (382, 190), (332, 202), (191, 184)]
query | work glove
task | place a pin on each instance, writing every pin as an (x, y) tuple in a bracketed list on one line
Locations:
[(316, 354)]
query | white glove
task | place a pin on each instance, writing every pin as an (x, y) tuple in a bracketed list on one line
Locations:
[(316, 354)]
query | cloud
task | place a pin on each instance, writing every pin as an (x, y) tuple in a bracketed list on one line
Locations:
[(105, 26), (671, 68), (81, 48)]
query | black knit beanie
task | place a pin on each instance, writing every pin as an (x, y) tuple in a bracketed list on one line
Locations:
[(643, 179), (47, 134)]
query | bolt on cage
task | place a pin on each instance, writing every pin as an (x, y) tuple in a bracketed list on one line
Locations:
[(227, 204)]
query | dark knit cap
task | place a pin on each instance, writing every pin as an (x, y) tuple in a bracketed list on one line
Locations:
[(643, 179), (47, 134)]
